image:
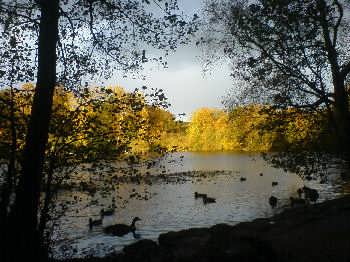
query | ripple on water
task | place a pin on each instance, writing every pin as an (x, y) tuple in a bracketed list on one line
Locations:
[(172, 206)]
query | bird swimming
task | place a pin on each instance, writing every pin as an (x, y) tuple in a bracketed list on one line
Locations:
[(121, 229), (208, 200), (243, 179), (197, 195), (274, 183)]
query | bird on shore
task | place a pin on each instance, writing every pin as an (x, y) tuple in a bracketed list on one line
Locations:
[(273, 201), (107, 212), (121, 229), (96, 222), (274, 183), (208, 200), (197, 195)]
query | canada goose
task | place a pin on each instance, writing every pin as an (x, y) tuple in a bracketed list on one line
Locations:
[(273, 201), (197, 195), (107, 212), (207, 200), (311, 194), (274, 183), (243, 179), (297, 202), (96, 222), (121, 229)]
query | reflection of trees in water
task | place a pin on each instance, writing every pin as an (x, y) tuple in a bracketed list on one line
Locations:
[(308, 165)]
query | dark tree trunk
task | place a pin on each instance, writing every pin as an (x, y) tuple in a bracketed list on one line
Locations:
[(10, 177), (24, 222), (341, 115), (44, 214)]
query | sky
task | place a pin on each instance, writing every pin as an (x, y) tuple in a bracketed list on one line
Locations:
[(184, 83)]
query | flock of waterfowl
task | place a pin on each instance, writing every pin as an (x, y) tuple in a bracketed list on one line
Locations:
[(305, 196), (122, 229)]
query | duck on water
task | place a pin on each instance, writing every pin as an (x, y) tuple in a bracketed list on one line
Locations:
[(121, 229), (198, 195), (208, 200)]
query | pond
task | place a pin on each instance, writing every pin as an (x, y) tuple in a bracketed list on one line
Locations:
[(170, 206)]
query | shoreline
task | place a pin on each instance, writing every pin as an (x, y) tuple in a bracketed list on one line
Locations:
[(319, 232)]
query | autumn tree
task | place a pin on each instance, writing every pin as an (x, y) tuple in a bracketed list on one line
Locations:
[(66, 41), (257, 128), (97, 126), (289, 53), (159, 124), (15, 109), (209, 130)]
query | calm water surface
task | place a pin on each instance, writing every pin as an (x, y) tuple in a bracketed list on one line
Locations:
[(172, 207)]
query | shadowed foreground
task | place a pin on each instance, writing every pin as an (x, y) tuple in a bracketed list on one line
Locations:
[(317, 233)]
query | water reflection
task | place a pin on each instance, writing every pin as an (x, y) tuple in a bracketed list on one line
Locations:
[(172, 206)]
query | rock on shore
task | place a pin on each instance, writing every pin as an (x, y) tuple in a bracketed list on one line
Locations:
[(319, 233)]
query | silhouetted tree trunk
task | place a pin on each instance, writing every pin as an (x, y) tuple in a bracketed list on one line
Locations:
[(341, 115), (25, 214), (8, 185), (44, 214)]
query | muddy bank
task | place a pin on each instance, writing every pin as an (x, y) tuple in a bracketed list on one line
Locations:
[(316, 233)]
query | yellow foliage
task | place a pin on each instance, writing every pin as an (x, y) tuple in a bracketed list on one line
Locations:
[(253, 128)]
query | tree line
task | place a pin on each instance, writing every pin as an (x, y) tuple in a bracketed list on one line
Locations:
[(258, 128), (109, 123)]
